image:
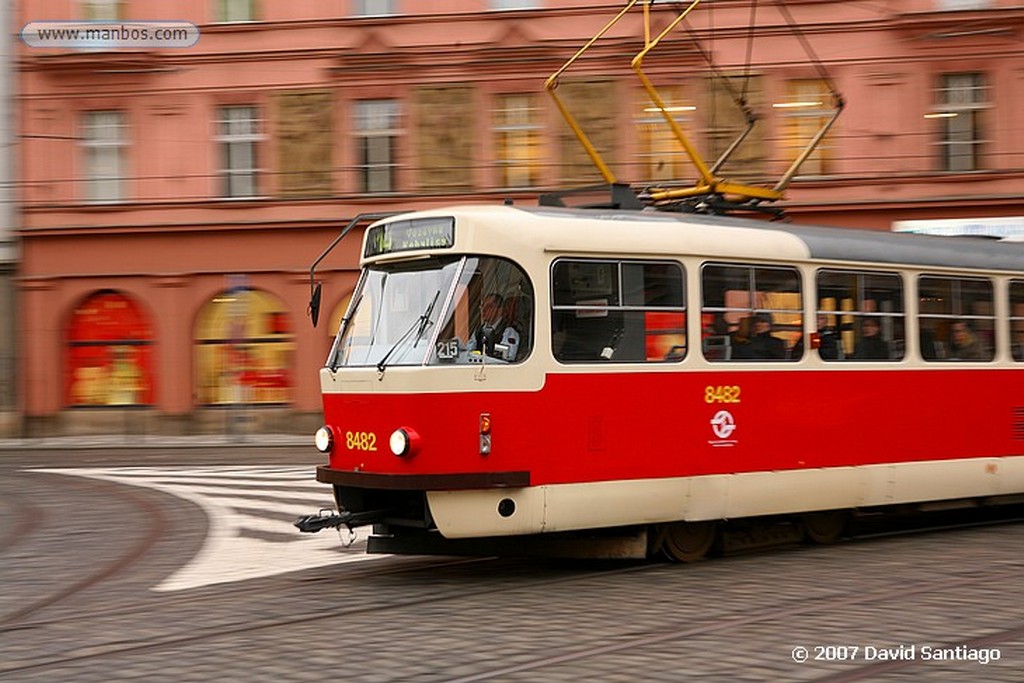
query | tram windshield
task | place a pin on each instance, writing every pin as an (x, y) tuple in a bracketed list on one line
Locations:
[(434, 311)]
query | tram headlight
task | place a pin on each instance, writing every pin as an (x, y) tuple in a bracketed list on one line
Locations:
[(324, 439), (404, 442)]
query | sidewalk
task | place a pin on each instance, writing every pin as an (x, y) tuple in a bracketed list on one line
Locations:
[(156, 441)]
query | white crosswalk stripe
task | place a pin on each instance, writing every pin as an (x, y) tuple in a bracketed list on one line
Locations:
[(250, 511)]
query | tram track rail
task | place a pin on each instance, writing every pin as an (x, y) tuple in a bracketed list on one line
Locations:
[(355, 572), (742, 618), (327, 613), (872, 671), (240, 590), (457, 591), (28, 516), (154, 527)]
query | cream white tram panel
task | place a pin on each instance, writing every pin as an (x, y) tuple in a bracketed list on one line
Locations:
[(566, 507)]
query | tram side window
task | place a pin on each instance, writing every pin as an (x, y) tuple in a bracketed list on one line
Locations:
[(751, 312), (1017, 319), (617, 310), (956, 317), (860, 316)]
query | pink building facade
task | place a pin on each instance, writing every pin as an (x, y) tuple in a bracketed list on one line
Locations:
[(172, 199)]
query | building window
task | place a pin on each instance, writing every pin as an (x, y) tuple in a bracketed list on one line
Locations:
[(370, 8), (517, 140), (514, 4), (751, 313), (244, 348), (104, 146), (594, 103), (661, 156), (376, 131), (961, 100), (229, 11), (952, 5), (956, 318), (109, 353), (102, 10), (618, 311), (725, 122), (804, 112), (238, 136), (1017, 319), (860, 316)]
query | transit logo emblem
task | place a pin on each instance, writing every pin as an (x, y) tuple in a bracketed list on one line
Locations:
[(723, 424)]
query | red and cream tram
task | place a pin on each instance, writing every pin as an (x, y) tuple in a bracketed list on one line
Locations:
[(509, 378)]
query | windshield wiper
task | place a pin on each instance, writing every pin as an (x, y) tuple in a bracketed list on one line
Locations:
[(337, 350), (419, 326)]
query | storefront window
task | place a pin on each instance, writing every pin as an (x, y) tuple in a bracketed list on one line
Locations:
[(109, 353), (244, 346)]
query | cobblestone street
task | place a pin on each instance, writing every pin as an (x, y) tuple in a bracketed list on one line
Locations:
[(82, 557)]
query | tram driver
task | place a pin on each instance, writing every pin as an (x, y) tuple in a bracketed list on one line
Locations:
[(495, 336)]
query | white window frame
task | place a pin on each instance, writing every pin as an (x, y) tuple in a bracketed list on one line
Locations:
[(806, 101), (376, 119), (238, 181), (102, 10), (958, 110), (374, 8), (955, 5), (655, 140), (511, 5), (512, 167), (235, 11), (104, 144)]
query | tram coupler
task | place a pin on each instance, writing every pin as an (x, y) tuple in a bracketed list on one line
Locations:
[(314, 523)]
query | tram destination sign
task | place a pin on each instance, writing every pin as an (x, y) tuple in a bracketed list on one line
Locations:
[(408, 235)]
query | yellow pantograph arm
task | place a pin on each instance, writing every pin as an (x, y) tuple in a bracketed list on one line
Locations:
[(705, 174), (708, 182), (552, 83)]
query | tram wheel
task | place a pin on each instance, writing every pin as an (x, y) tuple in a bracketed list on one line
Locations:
[(688, 541), (824, 527)]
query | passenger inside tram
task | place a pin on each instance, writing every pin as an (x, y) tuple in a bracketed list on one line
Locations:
[(829, 346), (965, 344), (764, 345), (871, 345), (739, 339)]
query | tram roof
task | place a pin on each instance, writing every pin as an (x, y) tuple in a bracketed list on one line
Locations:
[(841, 244)]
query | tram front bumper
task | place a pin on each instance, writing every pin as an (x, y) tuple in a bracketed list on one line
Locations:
[(423, 482)]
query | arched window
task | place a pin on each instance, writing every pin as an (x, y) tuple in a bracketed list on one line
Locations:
[(244, 345), (109, 353)]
